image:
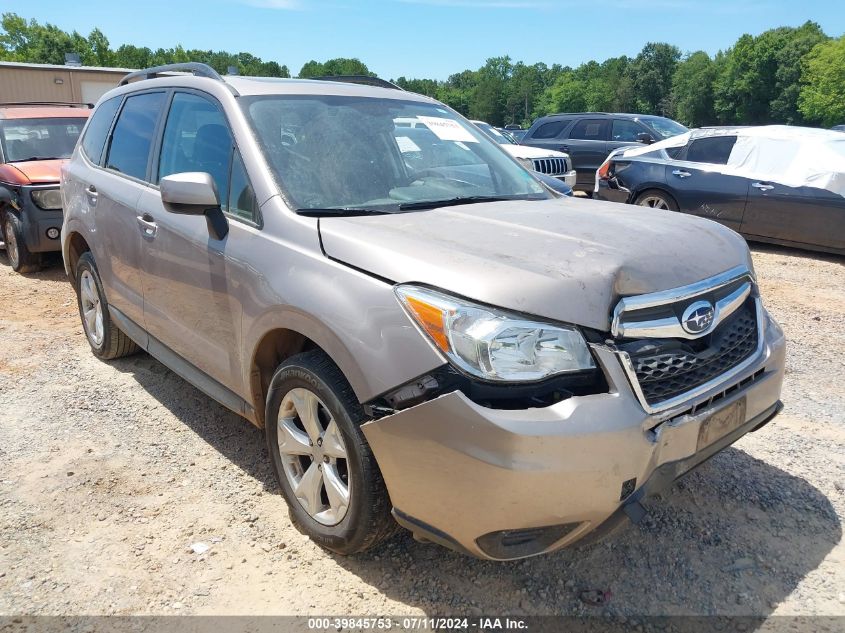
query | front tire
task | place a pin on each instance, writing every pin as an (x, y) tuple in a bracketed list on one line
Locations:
[(107, 341), (20, 258), (325, 468), (656, 199)]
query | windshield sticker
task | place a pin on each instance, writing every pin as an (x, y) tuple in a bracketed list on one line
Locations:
[(406, 145), (447, 129)]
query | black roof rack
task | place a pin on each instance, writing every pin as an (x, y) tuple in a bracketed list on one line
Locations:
[(365, 80), (198, 69), (579, 113), (55, 104)]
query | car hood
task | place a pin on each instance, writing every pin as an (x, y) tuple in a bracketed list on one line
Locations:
[(566, 259), (525, 151), (33, 172)]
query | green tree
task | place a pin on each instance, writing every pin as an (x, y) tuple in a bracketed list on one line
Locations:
[(792, 50), (337, 66), (822, 95), (651, 75), (759, 81), (692, 90)]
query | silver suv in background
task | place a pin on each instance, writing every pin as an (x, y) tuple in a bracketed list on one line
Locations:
[(427, 342)]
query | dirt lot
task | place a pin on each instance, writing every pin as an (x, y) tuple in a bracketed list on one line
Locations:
[(111, 472)]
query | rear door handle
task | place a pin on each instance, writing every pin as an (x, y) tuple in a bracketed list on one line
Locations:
[(564, 148), (148, 225), (680, 173), (762, 186), (91, 194)]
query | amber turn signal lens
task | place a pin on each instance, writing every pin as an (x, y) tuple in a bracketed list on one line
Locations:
[(431, 318)]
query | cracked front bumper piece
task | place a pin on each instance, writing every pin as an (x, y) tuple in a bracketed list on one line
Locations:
[(506, 484)]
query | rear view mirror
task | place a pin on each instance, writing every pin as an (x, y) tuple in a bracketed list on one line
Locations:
[(194, 193), (645, 137)]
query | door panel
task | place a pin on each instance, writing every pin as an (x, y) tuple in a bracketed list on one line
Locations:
[(191, 289), (191, 279), (707, 193), (119, 258), (587, 145), (107, 202), (795, 214)]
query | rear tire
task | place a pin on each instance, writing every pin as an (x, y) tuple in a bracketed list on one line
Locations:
[(325, 468), (107, 341), (656, 199), (20, 258)]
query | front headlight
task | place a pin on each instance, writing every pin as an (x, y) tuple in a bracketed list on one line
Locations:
[(527, 163), (47, 199), (494, 345)]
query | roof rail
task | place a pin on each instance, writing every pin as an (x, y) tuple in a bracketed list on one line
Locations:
[(579, 113), (365, 80), (55, 104), (198, 69)]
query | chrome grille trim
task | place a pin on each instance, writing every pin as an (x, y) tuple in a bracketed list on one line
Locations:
[(671, 327), (723, 381), (550, 166)]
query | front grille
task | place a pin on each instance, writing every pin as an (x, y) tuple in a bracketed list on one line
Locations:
[(667, 368), (550, 166)]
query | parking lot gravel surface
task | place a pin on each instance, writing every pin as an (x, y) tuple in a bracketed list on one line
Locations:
[(124, 490)]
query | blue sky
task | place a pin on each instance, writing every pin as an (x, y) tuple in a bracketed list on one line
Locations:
[(430, 38)]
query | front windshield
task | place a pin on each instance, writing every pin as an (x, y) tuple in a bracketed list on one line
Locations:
[(357, 153), (663, 126), (34, 139)]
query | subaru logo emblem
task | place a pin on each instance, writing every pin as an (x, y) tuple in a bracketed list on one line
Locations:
[(698, 317)]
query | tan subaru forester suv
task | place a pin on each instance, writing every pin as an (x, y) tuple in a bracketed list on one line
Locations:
[(429, 337)]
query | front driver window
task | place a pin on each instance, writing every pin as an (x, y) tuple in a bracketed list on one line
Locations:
[(624, 130), (197, 138)]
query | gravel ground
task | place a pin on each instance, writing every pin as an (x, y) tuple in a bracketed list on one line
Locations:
[(124, 490)]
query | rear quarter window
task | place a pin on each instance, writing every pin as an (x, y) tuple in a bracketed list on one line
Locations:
[(714, 150), (98, 128)]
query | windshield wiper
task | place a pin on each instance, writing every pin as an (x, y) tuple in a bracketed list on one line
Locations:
[(453, 202), (24, 160), (343, 211)]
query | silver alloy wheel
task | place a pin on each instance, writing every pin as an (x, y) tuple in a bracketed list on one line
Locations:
[(11, 244), (92, 308), (314, 456), (655, 202)]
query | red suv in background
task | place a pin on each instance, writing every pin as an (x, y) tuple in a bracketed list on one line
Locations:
[(35, 140)]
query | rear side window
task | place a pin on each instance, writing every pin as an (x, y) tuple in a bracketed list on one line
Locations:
[(714, 150), (132, 138), (591, 130), (98, 129), (550, 129)]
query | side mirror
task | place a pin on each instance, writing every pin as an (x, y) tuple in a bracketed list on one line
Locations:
[(194, 193), (645, 138)]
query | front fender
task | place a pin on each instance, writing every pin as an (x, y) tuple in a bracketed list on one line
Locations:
[(355, 318)]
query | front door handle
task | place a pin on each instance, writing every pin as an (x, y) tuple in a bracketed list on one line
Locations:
[(762, 186), (148, 225), (91, 194), (564, 148), (680, 173)]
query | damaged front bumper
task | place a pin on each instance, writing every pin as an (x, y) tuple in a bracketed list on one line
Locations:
[(506, 484)]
